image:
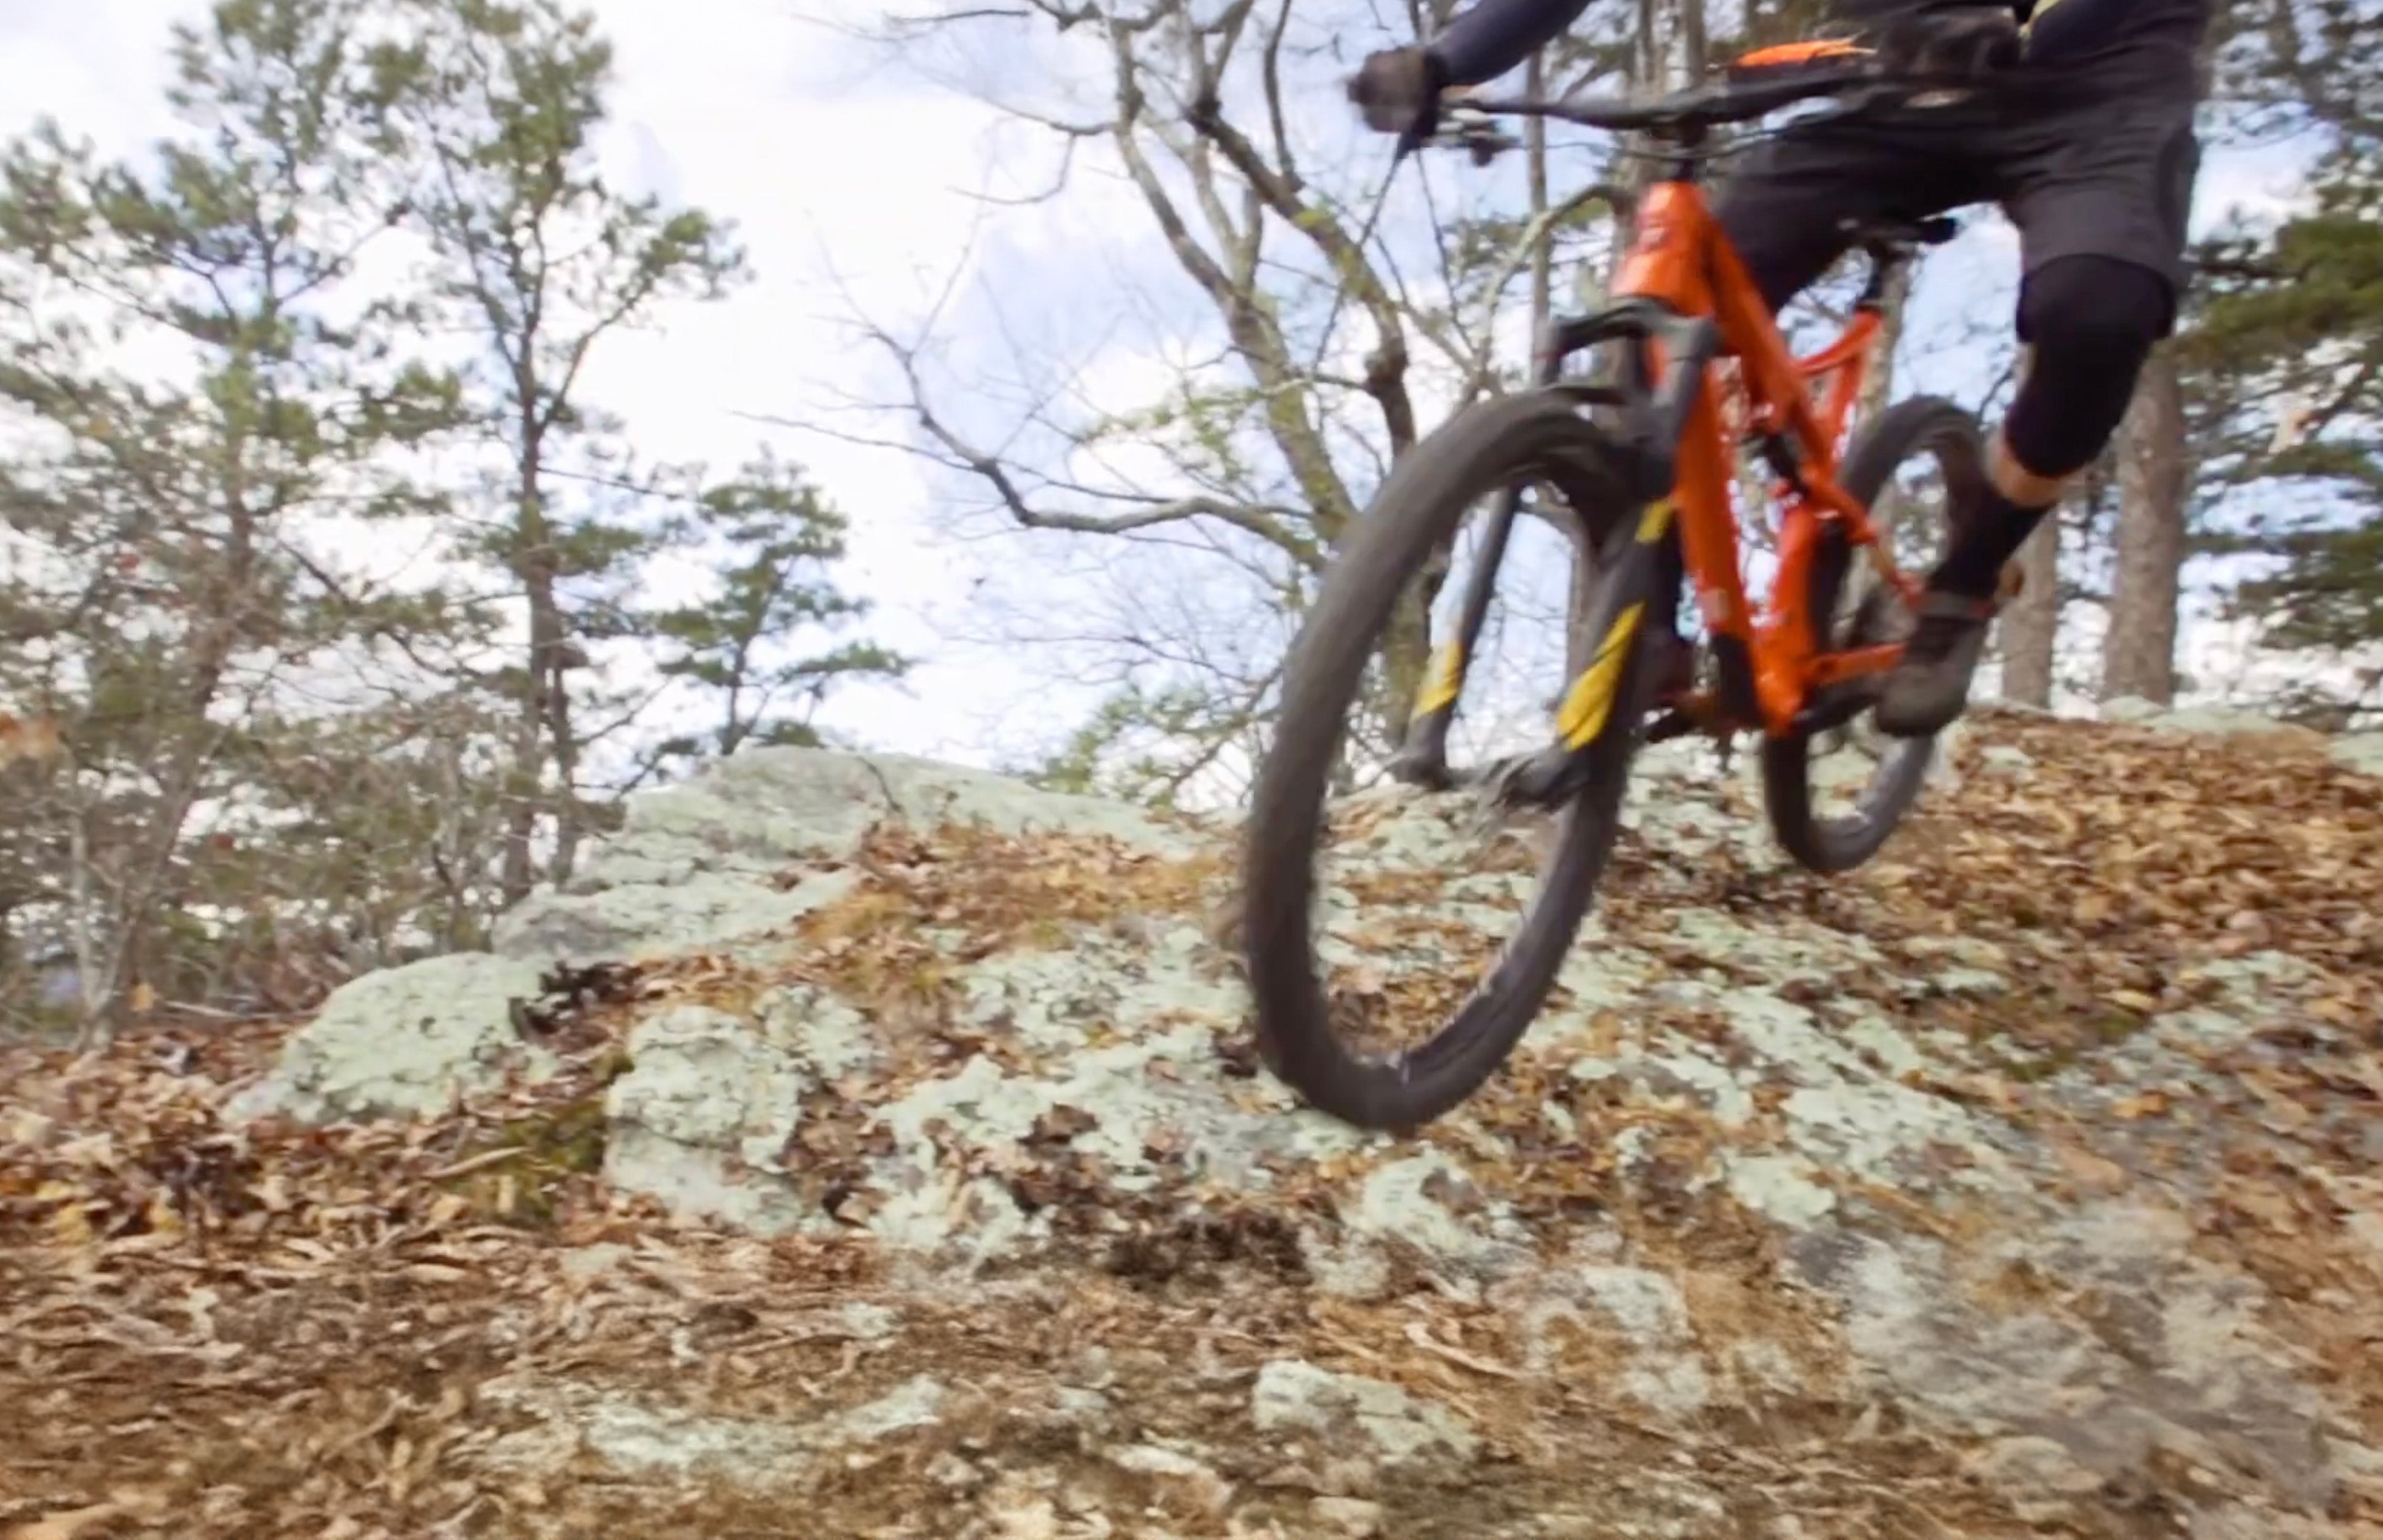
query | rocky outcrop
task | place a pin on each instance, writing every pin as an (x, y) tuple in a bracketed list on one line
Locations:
[(1993, 1144)]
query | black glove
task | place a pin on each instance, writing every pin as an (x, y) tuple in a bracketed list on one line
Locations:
[(1962, 41), (1398, 92)]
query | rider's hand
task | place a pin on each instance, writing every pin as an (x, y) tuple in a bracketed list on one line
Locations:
[(1399, 91), (1961, 41)]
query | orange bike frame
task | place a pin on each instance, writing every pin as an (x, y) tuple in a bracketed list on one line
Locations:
[(1681, 258)]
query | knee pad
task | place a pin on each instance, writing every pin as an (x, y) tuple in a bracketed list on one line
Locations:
[(2092, 321)]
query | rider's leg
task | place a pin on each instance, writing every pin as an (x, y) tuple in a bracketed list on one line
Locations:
[(2090, 321), (2102, 193)]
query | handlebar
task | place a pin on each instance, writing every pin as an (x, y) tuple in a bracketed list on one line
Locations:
[(1688, 112)]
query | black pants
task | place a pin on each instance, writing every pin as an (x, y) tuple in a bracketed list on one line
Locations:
[(2080, 176), (2099, 184)]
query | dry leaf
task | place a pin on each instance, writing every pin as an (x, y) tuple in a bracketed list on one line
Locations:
[(2092, 1170), (64, 1525)]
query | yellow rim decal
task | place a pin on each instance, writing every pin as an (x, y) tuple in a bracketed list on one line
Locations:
[(1445, 678), (1591, 699), (1651, 523)]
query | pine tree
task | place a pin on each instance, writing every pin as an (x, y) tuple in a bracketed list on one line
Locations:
[(497, 104), (745, 647), (2285, 357), (166, 598)]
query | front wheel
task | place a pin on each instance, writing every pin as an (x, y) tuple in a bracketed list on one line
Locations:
[(1536, 437), (1936, 445)]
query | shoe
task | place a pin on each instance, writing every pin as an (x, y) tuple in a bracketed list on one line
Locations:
[(1929, 684)]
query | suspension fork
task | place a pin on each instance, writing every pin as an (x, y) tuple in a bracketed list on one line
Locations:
[(1421, 759), (1653, 422)]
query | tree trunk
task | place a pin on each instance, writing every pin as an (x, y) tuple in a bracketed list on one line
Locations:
[(2030, 627), (2139, 655)]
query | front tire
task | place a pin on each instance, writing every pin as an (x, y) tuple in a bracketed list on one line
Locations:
[(1487, 447)]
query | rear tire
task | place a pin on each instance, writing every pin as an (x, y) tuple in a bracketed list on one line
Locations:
[(1419, 510), (1921, 424)]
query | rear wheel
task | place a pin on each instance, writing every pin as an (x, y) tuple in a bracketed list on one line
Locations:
[(1538, 437), (1916, 451)]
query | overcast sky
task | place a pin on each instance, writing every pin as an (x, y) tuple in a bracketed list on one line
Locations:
[(821, 157)]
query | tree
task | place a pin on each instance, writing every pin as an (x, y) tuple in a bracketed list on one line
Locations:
[(2284, 359), (1310, 314), (164, 598), (781, 537), (2029, 632), (494, 105), (2155, 479), (281, 752)]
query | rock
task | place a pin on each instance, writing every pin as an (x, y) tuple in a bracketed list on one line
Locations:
[(1208, 1490), (595, 1260), (1022, 1515), (1354, 1518), (2226, 721), (695, 912), (2215, 721), (1672, 1386), (698, 865), (2031, 1467), (1646, 1305), (2172, 1361), (2361, 751), (641, 1440), (1292, 1394), (2005, 760), (638, 1438), (917, 1402), (406, 1041), (1396, 1203), (1070, 1094), (825, 1035), (701, 1117), (2129, 709)]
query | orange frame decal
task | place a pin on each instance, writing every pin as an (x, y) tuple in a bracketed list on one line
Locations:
[(1796, 52), (1680, 256)]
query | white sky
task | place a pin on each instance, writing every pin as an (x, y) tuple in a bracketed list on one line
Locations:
[(820, 157)]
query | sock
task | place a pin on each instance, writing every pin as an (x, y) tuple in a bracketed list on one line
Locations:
[(1992, 530)]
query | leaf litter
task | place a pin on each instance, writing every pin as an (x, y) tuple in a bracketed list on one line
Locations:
[(378, 1328)]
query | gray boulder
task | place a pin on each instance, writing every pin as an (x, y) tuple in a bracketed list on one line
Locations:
[(406, 1041), (1767, 1141)]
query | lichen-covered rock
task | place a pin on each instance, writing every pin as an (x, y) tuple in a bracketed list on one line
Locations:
[(707, 1098), (2361, 751), (693, 911), (2214, 720), (406, 1041), (1294, 1395), (1777, 1146), (704, 863)]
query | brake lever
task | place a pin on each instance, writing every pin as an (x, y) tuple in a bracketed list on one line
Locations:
[(1476, 131)]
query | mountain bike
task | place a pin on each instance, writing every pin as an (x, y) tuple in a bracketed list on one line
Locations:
[(1637, 465)]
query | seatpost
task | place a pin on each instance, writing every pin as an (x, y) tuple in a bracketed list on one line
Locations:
[(1884, 259)]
